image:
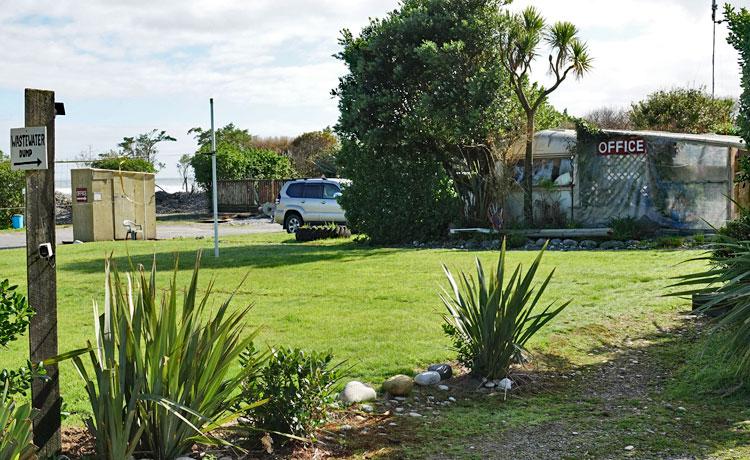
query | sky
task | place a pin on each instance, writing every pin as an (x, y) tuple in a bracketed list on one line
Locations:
[(128, 67)]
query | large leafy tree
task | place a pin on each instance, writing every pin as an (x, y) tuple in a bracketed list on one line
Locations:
[(424, 104), (684, 110), (144, 146), (521, 42), (739, 37), (237, 157), (311, 151)]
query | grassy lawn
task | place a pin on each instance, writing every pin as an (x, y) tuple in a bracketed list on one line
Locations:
[(378, 309)]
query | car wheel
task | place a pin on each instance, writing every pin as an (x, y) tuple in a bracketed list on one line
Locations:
[(292, 222)]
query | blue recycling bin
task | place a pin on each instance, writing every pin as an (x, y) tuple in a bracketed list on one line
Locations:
[(16, 221)]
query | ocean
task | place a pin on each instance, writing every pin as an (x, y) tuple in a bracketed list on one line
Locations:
[(168, 184)]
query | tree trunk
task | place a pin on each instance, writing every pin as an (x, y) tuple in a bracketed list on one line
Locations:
[(528, 184)]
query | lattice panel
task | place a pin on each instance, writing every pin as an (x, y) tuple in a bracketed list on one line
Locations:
[(611, 176)]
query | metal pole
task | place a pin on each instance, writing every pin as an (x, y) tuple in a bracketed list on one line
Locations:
[(713, 52), (213, 181)]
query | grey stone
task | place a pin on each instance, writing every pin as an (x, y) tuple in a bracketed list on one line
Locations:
[(398, 385), (355, 392), (570, 243), (443, 387), (612, 245), (490, 384), (556, 242), (414, 414), (588, 244), (540, 242), (366, 408), (427, 378), (444, 370)]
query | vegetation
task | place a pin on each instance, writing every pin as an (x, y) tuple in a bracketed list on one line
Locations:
[(183, 168), (314, 153), (299, 389), (610, 118), (738, 22), (429, 79), (630, 228), (15, 316), (16, 436), (146, 391), (727, 284), (144, 146), (490, 321), (237, 157), (520, 46), (684, 110), (123, 163), (12, 184)]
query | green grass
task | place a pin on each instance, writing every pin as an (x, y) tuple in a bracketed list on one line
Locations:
[(364, 304)]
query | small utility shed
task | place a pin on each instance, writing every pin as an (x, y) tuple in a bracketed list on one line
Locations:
[(678, 181), (103, 199)]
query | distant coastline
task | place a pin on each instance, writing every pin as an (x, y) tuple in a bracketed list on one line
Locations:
[(168, 184)]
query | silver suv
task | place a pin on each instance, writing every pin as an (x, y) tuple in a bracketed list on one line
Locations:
[(309, 201)]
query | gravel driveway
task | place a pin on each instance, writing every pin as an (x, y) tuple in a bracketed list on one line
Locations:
[(164, 231)]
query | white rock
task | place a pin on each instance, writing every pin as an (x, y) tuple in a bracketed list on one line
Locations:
[(629, 447), (355, 392), (414, 414), (399, 409), (427, 378), (489, 384), (451, 399), (443, 387), (366, 408)]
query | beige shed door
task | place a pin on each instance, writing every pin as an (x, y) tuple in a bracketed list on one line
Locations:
[(123, 195)]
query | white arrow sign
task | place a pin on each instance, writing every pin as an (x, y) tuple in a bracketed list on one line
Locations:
[(28, 148)]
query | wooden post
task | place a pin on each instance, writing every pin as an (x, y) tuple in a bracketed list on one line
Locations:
[(41, 277)]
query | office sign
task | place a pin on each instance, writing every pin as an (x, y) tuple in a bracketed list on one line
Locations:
[(622, 146), (28, 148)]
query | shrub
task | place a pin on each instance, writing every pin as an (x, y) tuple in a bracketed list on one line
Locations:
[(397, 201), (299, 386), (237, 157), (163, 373), (16, 433), (727, 283), (684, 110), (630, 228), (669, 242), (15, 316), (490, 321), (124, 164), (12, 184), (322, 232)]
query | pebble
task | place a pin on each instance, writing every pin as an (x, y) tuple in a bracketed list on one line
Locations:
[(443, 387), (355, 392), (398, 385), (366, 408), (490, 384), (451, 399), (414, 414), (629, 447), (427, 378), (393, 424), (346, 427), (444, 370)]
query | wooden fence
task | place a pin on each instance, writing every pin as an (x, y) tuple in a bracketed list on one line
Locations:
[(248, 194)]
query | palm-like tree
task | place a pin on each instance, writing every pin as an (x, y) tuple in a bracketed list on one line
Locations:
[(568, 54)]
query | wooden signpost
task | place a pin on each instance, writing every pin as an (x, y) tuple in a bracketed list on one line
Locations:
[(40, 260)]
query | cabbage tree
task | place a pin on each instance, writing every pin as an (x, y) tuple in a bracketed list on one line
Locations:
[(520, 45)]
